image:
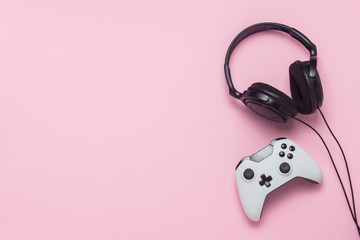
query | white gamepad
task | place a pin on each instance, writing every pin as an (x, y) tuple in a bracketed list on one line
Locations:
[(268, 169)]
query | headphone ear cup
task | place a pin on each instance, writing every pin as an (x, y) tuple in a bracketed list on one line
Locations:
[(269, 102), (305, 91)]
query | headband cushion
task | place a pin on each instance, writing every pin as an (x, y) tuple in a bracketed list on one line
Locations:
[(286, 104), (301, 88)]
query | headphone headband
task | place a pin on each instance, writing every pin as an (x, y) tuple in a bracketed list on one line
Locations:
[(260, 27)]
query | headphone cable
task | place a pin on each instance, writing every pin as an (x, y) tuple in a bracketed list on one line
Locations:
[(353, 214), (346, 164)]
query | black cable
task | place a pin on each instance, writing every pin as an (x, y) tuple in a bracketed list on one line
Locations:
[(347, 168), (337, 173)]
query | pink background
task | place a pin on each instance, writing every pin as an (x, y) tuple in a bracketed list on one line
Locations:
[(117, 124)]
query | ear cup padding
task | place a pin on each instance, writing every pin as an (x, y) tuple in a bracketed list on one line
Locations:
[(305, 91), (285, 104)]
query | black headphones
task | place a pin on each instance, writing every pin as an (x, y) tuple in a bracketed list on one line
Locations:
[(269, 102)]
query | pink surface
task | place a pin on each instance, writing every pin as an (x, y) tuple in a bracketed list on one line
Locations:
[(117, 124)]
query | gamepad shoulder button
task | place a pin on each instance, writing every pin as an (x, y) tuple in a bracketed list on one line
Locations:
[(276, 139)]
